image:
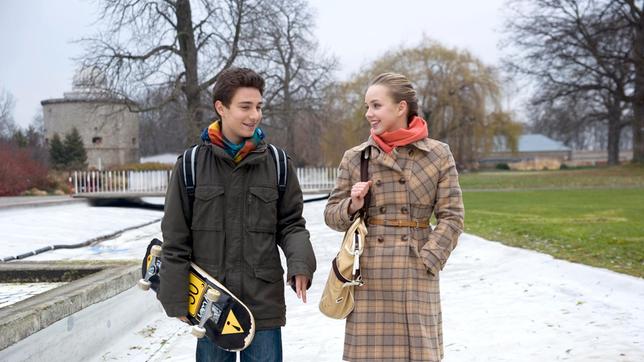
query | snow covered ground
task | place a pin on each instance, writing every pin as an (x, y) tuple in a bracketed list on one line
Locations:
[(499, 303), (27, 229)]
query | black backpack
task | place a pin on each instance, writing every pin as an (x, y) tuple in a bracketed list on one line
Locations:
[(189, 174)]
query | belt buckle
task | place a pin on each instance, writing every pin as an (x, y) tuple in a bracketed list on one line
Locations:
[(417, 224)]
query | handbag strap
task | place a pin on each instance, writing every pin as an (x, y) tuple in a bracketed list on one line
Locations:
[(337, 273), (356, 275), (364, 176)]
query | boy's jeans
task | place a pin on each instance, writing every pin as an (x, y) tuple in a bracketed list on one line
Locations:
[(266, 347)]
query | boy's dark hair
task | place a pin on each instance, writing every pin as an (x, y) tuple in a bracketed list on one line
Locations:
[(229, 80)]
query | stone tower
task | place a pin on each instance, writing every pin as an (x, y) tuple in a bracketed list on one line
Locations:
[(108, 127)]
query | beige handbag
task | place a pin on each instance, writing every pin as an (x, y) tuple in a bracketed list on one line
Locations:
[(337, 297)]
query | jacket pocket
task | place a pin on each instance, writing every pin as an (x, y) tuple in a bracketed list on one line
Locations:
[(265, 292), (262, 209), (422, 270), (269, 274), (208, 208)]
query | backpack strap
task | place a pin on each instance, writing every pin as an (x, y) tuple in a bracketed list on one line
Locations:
[(281, 165), (189, 172)]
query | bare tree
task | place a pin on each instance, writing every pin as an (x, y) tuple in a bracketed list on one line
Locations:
[(578, 49), (345, 124), (573, 121), (163, 55), (158, 132), (7, 125), (296, 73), (633, 12), (180, 45)]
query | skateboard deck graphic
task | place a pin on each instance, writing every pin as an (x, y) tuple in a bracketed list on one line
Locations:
[(227, 322)]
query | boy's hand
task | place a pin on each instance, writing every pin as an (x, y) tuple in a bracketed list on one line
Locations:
[(301, 282)]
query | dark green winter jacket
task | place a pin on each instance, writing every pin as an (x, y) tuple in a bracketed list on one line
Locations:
[(233, 232)]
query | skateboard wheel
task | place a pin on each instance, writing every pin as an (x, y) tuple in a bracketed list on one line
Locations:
[(213, 294), (198, 332), (155, 250), (143, 284)]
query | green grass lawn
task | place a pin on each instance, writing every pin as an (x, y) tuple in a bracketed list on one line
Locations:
[(605, 177), (590, 221)]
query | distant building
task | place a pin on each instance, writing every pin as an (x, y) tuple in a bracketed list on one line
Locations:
[(109, 129), (530, 147), (595, 158)]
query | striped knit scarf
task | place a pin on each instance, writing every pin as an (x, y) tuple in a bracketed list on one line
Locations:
[(237, 152)]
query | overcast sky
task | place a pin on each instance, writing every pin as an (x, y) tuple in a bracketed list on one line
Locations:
[(37, 37)]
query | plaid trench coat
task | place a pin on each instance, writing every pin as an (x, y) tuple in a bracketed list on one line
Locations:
[(397, 314)]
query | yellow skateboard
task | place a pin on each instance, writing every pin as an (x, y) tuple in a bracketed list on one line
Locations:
[(213, 310)]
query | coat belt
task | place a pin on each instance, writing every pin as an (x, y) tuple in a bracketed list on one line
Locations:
[(399, 223)]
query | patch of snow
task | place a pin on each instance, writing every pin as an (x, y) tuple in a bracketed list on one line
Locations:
[(24, 230), (11, 293)]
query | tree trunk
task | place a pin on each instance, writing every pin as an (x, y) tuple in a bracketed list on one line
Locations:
[(190, 87), (194, 119), (638, 104), (614, 131)]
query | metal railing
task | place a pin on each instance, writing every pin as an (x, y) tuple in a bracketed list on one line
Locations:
[(127, 181), (321, 179), (143, 183)]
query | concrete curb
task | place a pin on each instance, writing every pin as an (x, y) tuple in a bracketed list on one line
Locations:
[(48, 271), (25, 318), (30, 201)]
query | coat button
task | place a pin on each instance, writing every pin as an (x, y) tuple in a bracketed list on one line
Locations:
[(404, 210), (383, 209), (403, 238), (378, 182), (381, 239), (402, 180)]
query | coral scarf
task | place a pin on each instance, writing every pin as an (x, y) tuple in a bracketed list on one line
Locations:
[(237, 152), (387, 141)]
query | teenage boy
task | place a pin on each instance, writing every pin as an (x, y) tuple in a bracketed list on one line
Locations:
[(237, 219)]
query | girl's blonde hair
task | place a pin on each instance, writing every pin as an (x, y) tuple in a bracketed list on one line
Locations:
[(400, 89)]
